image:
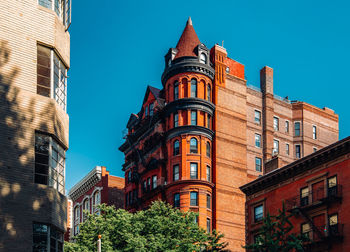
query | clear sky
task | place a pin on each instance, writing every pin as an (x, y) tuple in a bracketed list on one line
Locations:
[(118, 48)]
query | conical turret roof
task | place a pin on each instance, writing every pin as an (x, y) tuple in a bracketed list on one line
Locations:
[(188, 41)]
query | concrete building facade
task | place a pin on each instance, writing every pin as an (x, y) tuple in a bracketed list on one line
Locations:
[(207, 132), (34, 60), (315, 189), (97, 187)]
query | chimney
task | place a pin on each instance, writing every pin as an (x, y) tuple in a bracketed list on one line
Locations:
[(266, 80)]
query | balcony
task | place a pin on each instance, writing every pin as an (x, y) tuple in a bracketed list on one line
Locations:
[(314, 199), (326, 236)]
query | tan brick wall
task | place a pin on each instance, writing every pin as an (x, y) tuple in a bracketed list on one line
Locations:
[(23, 24)]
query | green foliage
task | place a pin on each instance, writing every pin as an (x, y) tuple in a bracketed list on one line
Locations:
[(275, 235), (159, 228)]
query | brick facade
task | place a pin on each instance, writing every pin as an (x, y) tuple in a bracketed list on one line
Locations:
[(316, 205), (23, 112), (225, 107)]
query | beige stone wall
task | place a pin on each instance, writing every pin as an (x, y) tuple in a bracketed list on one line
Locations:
[(23, 24)]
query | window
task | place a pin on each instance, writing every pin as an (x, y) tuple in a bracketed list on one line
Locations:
[(257, 117), (176, 173), (203, 58), (55, 87), (287, 126), (47, 238), (297, 129), (194, 171), (151, 109), (176, 150), (193, 88), (314, 149), (287, 149), (258, 167), (208, 225), (297, 151), (306, 230), (276, 147), (208, 173), (61, 7), (76, 219), (49, 162), (146, 111), (193, 145), (208, 121), (129, 176), (176, 90), (258, 213), (304, 196), (97, 201), (148, 184), (208, 150), (276, 123), (208, 93), (332, 186), (314, 132), (176, 120), (193, 198), (177, 200), (154, 182), (194, 117), (257, 140), (144, 185), (208, 201), (333, 224), (86, 207)]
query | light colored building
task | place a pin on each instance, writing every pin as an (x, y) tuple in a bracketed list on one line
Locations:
[(34, 60), (97, 187), (207, 132)]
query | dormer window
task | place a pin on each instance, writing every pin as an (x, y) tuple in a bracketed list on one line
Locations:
[(203, 58), (169, 63)]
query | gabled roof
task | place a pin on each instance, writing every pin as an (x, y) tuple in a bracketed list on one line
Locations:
[(154, 91), (187, 42)]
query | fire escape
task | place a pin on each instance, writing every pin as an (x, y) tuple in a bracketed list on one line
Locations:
[(306, 203)]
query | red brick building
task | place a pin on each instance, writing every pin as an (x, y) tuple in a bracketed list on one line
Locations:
[(207, 132), (97, 187), (316, 189)]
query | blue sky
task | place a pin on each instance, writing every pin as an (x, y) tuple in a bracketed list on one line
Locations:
[(118, 48)]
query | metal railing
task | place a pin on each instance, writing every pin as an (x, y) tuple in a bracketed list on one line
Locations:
[(280, 98), (253, 87)]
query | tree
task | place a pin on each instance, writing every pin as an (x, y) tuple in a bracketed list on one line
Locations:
[(159, 228), (274, 235)]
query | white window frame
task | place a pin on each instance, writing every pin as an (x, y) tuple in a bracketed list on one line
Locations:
[(154, 181), (276, 127), (287, 149), (94, 208), (276, 150), (314, 132), (258, 158), (258, 123), (255, 138), (286, 126), (65, 8)]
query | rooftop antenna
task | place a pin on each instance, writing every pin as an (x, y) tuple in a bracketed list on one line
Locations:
[(222, 43)]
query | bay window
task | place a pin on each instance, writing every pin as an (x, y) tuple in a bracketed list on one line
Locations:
[(47, 238), (61, 7)]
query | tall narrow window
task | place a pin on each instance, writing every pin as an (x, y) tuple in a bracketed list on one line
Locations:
[(49, 162), (287, 149), (193, 88), (208, 173), (314, 132), (297, 129), (176, 90), (208, 150), (193, 145), (314, 149), (148, 184), (333, 225), (176, 147), (208, 93), (176, 120), (144, 186), (43, 70), (203, 58), (258, 164), (177, 200), (96, 201), (258, 213), (276, 147), (257, 117), (193, 117), (61, 7), (60, 84), (176, 173), (257, 140), (194, 171), (208, 225), (276, 123), (208, 201), (208, 121), (151, 109), (154, 182), (86, 207), (304, 196), (297, 151), (193, 198), (287, 126), (332, 186), (306, 230)]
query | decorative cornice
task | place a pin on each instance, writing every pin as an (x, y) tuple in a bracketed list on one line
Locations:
[(191, 130), (190, 182), (91, 179), (188, 104), (187, 64)]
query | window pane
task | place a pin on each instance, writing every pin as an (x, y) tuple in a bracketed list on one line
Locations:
[(275, 123), (176, 172), (154, 182), (258, 213), (194, 171), (46, 3), (333, 220), (203, 58), (176, 119), (176, 90), (258, 164), (257, 117), (176, 200), (194, 199), (332, 182), (193, 145), (208, 173), (208, 225), (257, 140), (193, 88), (208, 201), (297, 128), (208, 92), (193, 117), (208, 149), (287, 126), (176, 148)]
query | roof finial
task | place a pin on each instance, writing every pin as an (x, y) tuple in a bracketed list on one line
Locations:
[(189, 21)]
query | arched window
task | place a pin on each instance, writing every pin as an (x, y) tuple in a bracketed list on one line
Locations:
[(176, 147), (176, 120), (193, 88), (176, 90), (203, 58), (208, 92), (208, 149), (86, 208), (193, 145), (97, 200), (76, 219)]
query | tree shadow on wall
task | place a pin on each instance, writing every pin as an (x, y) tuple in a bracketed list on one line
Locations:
[(23, 202)]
